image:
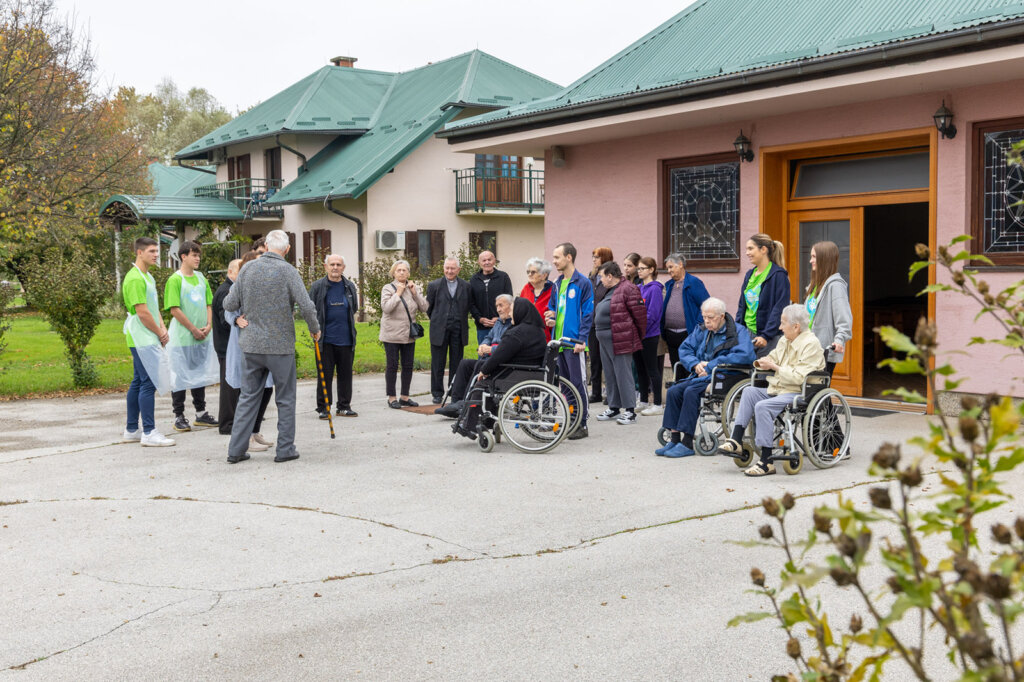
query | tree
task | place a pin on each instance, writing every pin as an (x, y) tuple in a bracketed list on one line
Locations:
[(168, 120), (65, 145)]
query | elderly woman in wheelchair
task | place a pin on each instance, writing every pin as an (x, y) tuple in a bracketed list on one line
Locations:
[(716, 346), (797, 389)]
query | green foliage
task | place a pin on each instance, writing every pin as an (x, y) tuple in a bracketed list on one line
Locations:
[(168, 120), (972, 596), (70, 291), (6, 296)]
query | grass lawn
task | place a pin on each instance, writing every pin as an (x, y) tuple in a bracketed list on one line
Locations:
[(34, 361)]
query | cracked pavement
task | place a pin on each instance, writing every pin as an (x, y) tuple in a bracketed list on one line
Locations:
[(396, 551)]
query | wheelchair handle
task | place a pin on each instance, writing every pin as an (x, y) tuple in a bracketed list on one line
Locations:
[(565, 342)]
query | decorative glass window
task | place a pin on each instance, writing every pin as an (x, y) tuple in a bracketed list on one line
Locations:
[(702, 211), (998, 211)]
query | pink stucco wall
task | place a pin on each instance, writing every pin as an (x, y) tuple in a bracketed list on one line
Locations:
[(607, 195)]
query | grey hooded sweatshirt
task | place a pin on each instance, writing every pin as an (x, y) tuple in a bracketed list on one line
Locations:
[(833, 320)]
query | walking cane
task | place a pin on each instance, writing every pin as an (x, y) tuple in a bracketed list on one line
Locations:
[(323, 385)]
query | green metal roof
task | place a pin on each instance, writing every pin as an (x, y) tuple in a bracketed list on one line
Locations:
[(179, 181), (717, 38), (133, 208), (416, 105)]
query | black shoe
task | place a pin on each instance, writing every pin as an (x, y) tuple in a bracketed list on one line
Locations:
[(181, 424), (451, 410), (581, 432), (437, 399), (241, 458), (346, 412), (594, 398), (395, 405), (205, 419), (323, 414), (405, 402), (287, 458)]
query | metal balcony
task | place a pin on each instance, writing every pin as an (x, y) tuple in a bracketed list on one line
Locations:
[(249, 194), (500, 191)]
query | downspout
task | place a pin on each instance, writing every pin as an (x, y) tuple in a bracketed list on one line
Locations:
[(328, 204), (296, 152)]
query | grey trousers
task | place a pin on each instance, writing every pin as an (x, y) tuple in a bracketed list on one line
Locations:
[(755, 402), (256, 366), (618, 373)]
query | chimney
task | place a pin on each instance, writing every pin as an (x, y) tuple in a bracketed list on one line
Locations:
[(344, 61)]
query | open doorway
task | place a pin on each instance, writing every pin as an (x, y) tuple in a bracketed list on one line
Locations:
[(890, 234)]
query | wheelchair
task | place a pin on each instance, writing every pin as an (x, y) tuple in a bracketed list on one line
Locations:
[(726, 382), (815, 425), (531, 407)]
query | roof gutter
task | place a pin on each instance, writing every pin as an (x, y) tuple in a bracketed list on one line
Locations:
[(296, 152), (329, 205), (195, 168), (963, 40)]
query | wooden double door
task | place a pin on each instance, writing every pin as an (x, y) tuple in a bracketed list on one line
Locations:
[(845, 227)]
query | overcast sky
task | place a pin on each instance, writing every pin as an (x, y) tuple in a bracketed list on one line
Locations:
[(245, 52)]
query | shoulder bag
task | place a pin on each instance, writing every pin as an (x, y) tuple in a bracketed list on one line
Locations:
[(415, 328)]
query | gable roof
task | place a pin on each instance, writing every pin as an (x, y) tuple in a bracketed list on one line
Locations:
[(416, 105), (726, 39)]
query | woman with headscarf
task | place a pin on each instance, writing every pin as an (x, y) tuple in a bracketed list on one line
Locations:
[(522, 344)]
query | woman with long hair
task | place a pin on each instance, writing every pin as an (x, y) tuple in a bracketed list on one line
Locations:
[(601, 255), (649, 374), (399, 303), (629, 268), (828, 303), (538, 287), (765, 292)]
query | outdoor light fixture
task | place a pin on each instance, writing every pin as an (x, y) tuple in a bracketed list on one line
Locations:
[(742, 145), (944, 122)]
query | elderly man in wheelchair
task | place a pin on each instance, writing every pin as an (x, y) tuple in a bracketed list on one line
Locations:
[(815, 419), (717, 347), (517, 392)]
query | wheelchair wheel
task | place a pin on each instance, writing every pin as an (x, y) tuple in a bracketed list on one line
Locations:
[(730, 405), (534, 416), (573, 400), (791, 468), (663, 435), (826, 428), (486, 441), (706, 442)]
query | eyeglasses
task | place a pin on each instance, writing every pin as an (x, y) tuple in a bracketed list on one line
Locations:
[(531, 272), (642, 267)]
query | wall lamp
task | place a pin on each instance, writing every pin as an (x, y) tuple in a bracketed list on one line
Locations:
[(742, 144), (944, 122)]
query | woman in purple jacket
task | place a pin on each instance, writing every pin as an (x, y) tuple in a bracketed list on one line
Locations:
[(646, 359)]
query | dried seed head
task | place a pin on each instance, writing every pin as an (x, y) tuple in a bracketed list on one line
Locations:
[(982, 286), (841, 576), (977, 646), (880, 498), (911, 476), (1002, 534), (822, 523), (846, 545), (864, 540), (855, 624), (968, 428), (944, 253), (771, 507), (958, 278), (968, 402), (1018, 527), (888, 456), (922, 251), (787, 501), (894, 584), (757, 577), (925, 334), (793, 648), (1002, 298), (991, 400), (996, 586), (989, 299), (765, 531), (969, 572)]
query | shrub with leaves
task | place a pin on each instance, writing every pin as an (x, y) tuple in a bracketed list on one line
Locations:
[(6, 296), (969, 588), (70, 291)]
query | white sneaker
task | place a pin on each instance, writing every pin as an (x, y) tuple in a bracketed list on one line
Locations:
[(155, 439), (626, 418), (255, 445), (607, 415), (640, 406), (258, 437), (653, 411), (131, 436)]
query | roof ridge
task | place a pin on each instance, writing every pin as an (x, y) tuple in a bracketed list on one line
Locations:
[(518, 68), (467, 79), (300, 104), (375, 118)]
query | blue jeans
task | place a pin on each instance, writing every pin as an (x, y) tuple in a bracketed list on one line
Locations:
[(682, 404), (572, 366), (140, 397), (481, 332)]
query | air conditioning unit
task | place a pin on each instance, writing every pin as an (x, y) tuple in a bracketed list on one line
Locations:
[(390, 240), (218, 156)]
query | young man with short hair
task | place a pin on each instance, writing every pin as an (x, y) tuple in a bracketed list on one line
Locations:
[(571, 313), (146, 336), (193, 359)]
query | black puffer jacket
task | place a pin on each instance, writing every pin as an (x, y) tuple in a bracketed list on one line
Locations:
[(523, 343)]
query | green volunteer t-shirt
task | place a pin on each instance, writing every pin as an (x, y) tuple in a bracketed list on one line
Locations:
[(560, 313), (172, 291), (133, 289), (812, 306), (752, 294)]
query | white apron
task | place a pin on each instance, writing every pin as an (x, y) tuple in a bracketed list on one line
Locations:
[(193, 363), (147, 344)]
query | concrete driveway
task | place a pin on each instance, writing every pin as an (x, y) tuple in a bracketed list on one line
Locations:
[(396, 551)]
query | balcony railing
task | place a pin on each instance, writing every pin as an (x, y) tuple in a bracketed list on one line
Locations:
[(249, 194), (508, 190)]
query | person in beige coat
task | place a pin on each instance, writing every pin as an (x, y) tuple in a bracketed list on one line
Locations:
[(798, 354), (399, 303)]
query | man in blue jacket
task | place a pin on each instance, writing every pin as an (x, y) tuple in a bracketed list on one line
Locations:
[(571, 313), (680, 309), (718, 341)]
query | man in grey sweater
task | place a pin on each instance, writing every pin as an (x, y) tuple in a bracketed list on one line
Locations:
[(266, 292)]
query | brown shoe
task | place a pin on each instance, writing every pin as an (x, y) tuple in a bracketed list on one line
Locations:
[(760, 469)]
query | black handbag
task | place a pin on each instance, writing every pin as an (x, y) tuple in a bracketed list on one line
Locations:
[(415, 328)]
